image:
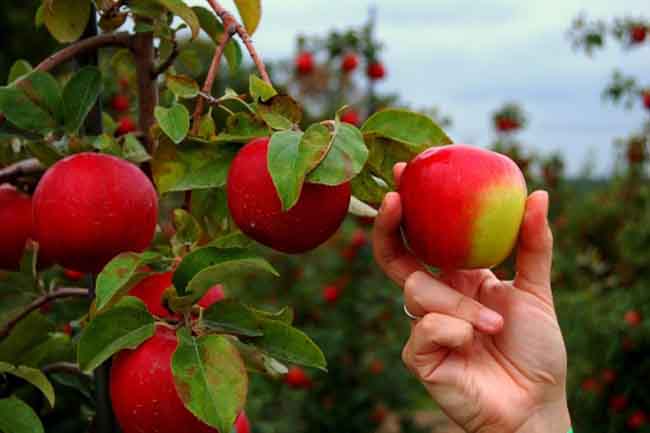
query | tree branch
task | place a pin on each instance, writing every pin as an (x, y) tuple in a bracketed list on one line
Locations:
[(209, 79), (121, 39), (64, 367), (20, 168), (143, 53), (42, 300), (230, 21)]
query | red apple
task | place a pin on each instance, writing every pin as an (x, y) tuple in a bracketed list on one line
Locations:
[(152, 288), (305, 63), (90, 207), (618, 402), (637, 420), (376, 71), (350, 62), (646, 99), (462, 206), (143, 392), (15, 225), (297, 378), (255, 206), (120, 103), (331, 293), (638, 34), (125, 125), (351, 116), (632, 318), (67, 329), (242, 425)]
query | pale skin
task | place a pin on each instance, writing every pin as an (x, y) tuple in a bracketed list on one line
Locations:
[(489, 352)]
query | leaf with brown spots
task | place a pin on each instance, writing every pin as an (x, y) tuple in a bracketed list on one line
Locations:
[(210, 378)]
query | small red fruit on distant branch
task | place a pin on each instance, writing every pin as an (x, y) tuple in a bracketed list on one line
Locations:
[(638, 33), (15, 225), (646, 99), (143, 392), (591, 385), (73, 275), (351, 116), (350, 62), (637, 420), (125, 125), (331, 293), (90, 207), (376, 366), (505, 124), (297, 378), (255, 206), (618, 403), (632, 318), (376, 71), (608, 376), (305, 63), (475, 201), (120, 103)]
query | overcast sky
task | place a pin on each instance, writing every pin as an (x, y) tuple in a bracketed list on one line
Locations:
[(467, 57)]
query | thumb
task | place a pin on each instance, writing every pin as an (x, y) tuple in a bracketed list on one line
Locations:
[(535, 250)]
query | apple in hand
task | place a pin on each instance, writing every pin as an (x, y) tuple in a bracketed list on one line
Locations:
[(143, 393), (256, 208), (90, 207), (462, 206)]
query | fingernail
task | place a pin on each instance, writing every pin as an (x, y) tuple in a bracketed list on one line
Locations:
[(490, 319)]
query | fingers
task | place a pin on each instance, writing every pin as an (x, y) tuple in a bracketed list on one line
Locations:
[(430, 340), (388, 247), (535, 251), (398, 169), (424, 294)]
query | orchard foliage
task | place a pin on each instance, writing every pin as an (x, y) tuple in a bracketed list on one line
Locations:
[(158, 117)]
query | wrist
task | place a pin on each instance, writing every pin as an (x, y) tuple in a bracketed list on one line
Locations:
[(551, 418)]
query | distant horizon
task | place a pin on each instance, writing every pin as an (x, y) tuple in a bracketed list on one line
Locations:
[(493, 52)]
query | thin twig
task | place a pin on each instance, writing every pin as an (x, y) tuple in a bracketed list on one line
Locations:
[(19, 169), (169, 61), (65, 292), (228, 21), (209, 79), (64, 367)]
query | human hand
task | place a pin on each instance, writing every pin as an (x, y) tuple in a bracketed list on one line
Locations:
[(489, 352)]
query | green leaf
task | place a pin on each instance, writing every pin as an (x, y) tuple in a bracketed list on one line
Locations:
[(66, 19), (29, 332), (179, 8), (22, 112), (133, 150), (45, 153), (250, 12), (214, 29), (260, 89), (207, 127), (79, 96), (39, 17), (33, 376), (189, 61), (417, 131), (366, 188), (174, 121), (119, 275), (243, 127), (280, 112), (125, 326), (56, 347), (182, 86), (210, 208), (18, 69), (188, 231), (44, 90), (195, 165), (284, 165), (232, 240), (16, 416), (106, 143), (345, 159), (285, 315), (232, 317), (205, 267), (210, 378), (289, 344)]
